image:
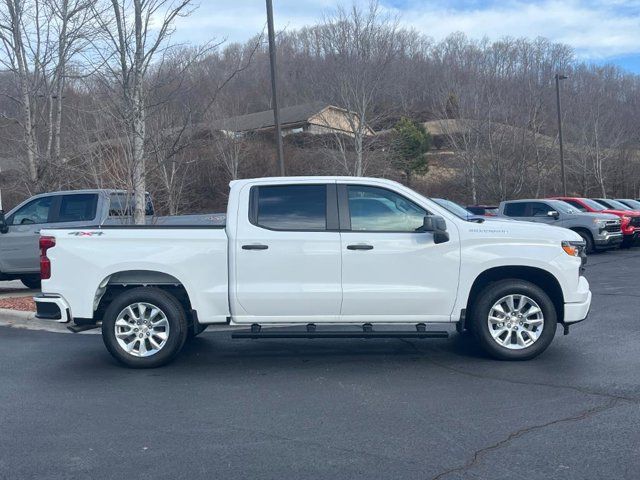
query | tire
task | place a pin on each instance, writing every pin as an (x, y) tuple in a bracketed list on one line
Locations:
[(518, 333), (588, 240), (32, 282), (166, 329)]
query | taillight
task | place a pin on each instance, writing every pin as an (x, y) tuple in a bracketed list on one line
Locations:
[(45, 264)]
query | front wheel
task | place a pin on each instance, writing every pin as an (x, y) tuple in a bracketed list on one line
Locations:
[(514, 320), (588, 240), (144, 327)]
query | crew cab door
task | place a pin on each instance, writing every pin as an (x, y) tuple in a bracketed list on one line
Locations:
[(286, 253), (19, 246), (391, 272), (539, 212)]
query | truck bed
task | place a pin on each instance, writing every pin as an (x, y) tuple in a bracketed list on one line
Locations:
[(192, 256)]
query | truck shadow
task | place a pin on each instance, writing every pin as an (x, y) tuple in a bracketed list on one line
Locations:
[(212, 348)]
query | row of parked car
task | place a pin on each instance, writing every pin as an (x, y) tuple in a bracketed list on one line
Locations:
[(603, 223)]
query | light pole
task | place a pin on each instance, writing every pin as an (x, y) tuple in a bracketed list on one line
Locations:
[(274, 88), (562, 172)]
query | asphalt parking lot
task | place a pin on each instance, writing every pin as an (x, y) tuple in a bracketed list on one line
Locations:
[(334, 409)]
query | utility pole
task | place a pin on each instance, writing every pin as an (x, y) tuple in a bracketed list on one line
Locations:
[(564, 178), (274, 86)]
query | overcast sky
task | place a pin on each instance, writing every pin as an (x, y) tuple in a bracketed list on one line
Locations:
[(606, 30)]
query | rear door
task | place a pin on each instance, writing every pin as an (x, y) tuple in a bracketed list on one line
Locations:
[(75, 210), (287, 254), (390, 271)]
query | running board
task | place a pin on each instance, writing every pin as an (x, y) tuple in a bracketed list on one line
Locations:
[(311, 332), (82, 328)]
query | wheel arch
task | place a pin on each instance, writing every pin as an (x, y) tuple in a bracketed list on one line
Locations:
[(542, 278), (117, 282), (584, 230)]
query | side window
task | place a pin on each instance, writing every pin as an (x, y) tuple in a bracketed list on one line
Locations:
[(378, 210), (539, 209), (34, 212), (77, 208), (291, 207), (516, 209), (575, 204)]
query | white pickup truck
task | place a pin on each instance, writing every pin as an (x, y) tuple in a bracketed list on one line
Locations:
[(305, 254)]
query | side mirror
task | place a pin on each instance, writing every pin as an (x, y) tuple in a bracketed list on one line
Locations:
[(436, 225), (4, 228), (554, 214)]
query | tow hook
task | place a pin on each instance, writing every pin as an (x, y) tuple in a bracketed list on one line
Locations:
[(566, 328)]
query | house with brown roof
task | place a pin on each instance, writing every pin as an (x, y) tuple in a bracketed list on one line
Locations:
[(315, 118)]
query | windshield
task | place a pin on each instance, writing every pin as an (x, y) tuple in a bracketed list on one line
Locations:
[(617, 205), (564, 207), (593, 204), (454, 208), (632, 203)]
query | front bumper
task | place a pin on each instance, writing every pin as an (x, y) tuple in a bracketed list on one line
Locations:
[(577, 311), (52, 307), (608, 240)]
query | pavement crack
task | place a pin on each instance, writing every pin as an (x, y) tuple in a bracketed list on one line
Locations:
[(584, 391), (479, 454)]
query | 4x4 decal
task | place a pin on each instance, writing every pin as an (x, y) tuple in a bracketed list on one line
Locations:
[(86, 234)]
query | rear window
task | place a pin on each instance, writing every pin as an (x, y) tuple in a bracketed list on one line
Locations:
[(121, 205), (80, 207), (291, 207), (515, 209)]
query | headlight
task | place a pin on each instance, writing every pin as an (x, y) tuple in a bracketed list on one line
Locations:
[(600, 223), (573, 248)]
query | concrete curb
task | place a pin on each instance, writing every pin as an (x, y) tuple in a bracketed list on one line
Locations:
[(28, 320)]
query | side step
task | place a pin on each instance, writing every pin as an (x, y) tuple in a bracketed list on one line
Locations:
[(82, 328), (311, 332)]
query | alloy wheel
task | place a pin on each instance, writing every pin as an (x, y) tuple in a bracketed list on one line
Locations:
[(515, 321)]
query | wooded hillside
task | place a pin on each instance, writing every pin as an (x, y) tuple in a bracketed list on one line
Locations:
[(87, 100)]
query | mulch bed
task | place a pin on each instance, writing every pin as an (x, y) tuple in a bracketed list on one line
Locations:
[(25, 304)]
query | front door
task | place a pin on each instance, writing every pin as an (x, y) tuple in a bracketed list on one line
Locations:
[(287, 255), (390, 271), (19, 246), (539, 212)]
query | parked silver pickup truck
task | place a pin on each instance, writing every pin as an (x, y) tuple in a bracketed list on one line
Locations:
[(20, 227), (598, 230)]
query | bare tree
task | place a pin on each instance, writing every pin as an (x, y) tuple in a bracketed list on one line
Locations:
[(357, 47), (24, 34), (73, 24), (134, 42)]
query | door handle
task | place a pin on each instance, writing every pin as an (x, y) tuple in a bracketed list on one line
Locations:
[(37, 232), (255, 246), (360, 246)]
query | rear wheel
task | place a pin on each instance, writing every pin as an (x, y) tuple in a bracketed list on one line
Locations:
[(31, 281), (514, 320), (144, 327)]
